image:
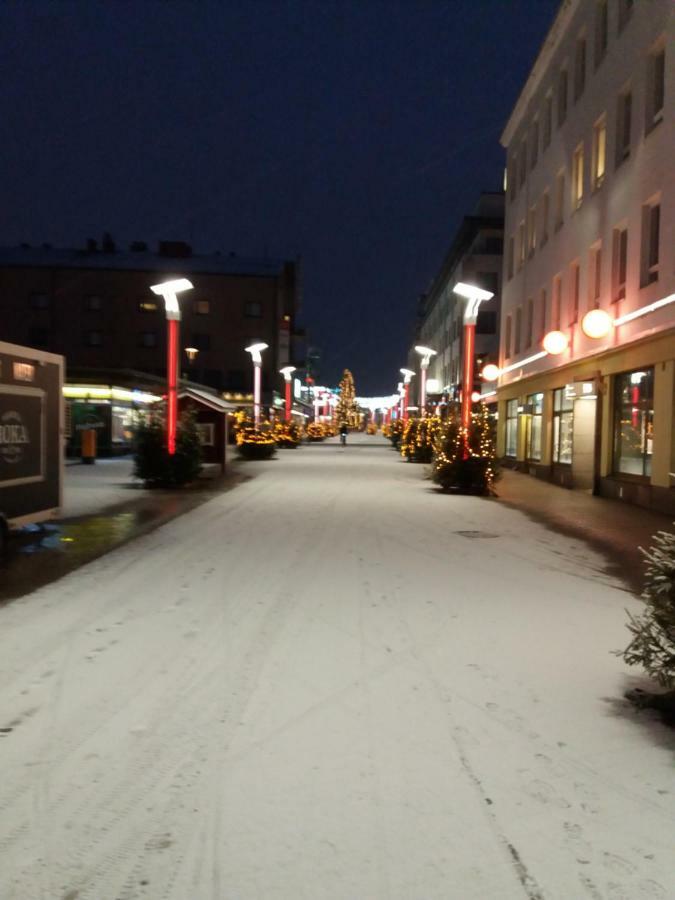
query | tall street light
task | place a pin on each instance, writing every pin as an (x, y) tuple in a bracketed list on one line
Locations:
[(425, 353), (287, 372), (474, 296), (255, 350), (170, 290), (405, 396)]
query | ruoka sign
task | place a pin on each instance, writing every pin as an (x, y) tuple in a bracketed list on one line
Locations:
[(14, 437)]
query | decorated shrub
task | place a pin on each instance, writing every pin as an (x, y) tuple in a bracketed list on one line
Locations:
[(287, 435), (255, 443), (152, 462), (467, 467), (316, 431), (417, 442)]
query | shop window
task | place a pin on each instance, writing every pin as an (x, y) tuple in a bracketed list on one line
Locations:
[(634, 422), (535, 412), (563, 421), (619, 263), (511, 443)]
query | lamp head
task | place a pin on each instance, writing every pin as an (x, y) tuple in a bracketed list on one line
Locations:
[(287, 371), (169, 290), (426, 353), (474, 296), (407, 375), (255, 350)]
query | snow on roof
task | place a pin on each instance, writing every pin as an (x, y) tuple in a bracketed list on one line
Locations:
[(211, 400)]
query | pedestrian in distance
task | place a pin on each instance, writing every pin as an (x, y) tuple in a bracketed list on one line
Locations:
[(343, 433)]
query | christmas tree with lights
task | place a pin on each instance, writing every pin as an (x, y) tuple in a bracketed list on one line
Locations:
[(465, 462), (347, 409)]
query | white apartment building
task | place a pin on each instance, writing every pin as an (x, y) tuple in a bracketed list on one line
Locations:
[(590, 228), (474, 256)]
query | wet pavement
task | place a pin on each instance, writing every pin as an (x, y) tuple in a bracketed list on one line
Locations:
[(40, 554)]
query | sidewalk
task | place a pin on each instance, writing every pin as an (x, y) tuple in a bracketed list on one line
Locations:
[(614, 528)]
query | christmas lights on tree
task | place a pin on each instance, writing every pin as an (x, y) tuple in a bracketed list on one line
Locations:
[(465, 462), (347, 409)]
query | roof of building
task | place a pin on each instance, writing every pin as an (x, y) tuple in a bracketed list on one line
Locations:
[(139, 261)]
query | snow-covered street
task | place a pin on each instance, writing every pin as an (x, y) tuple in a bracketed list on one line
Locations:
[(331, 683)]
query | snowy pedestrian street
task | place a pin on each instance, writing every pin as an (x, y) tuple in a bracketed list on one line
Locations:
[(331, 683)]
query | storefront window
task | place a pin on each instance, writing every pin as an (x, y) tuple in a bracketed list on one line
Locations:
[(534, 422), (511, 428), (634, 422), (563, 419)]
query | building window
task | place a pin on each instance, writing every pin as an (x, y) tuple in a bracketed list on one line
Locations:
[(655, 88), (562, 96), (545, 209), (578, 177), (623, 126), (634, 422), (556, 307), (519, 325), (559, 200), (207, 433), (521, 245), (579, 67), (563, 421), (599, 152), (253, 309), (535, 403), (148, 339), (625, 12), (548, 120), (601, 31), (522, 160), (531, 230), (510, 260), (486, 322), (40, 301), (511, 443), (534, 143), (93, 303), (148, 306), (651, 227), (595, 275), (201, 341), (529, 323), (94, 339), (575, 277), (619, 263), (201, 307), (507, 338)]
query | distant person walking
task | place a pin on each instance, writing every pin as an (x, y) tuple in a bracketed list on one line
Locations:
[(344, 430)]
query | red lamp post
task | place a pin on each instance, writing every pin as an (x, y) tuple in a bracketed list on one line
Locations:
[(170, 290), (474, 297), (287, 372)]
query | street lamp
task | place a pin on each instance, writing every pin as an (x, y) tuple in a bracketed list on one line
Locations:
[(287, 371), (474, 297), (170, 290), (255, 350), (405, 396), (426, 353)]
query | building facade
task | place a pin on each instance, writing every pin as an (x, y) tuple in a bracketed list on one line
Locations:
[(587, 351), (475, 256)]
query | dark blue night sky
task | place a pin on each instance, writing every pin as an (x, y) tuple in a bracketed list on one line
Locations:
[(354, 134)]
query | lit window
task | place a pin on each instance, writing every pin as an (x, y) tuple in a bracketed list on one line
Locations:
[(511, 446), (599, 152), (563, 422), (148, 306), (578, 177), (535, 404), (634, 422)]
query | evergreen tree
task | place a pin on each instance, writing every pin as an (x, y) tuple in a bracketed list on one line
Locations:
[(347, 409)]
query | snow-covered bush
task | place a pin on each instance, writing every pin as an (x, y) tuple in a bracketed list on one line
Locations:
[(653, 642)]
